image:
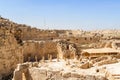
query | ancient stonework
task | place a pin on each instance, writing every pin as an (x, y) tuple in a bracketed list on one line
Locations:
[(28, 53), (11, 52), (66, 50)]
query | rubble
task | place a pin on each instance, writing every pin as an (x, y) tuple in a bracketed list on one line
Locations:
[(56, 71), (35, 54)]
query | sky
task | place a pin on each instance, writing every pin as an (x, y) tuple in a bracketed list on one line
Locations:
[(63, 14)]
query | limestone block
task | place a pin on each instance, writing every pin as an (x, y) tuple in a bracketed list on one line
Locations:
[(76, 75), (90, 77), (85, 65), (17, 75), (100, 78), (66, 74), (34, 74)]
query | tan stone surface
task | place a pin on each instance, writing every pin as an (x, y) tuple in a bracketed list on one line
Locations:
[(21, 43)]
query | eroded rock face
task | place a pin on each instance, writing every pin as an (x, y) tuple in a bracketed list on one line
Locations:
[(11, 52)]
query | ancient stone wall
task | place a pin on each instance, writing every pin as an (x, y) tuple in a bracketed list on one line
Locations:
[(83, 40), (40, 44), (37, 34), (39, 49), (67, 50), (11, 52)]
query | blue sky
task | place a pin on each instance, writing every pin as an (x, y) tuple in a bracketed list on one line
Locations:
[(63, 14)]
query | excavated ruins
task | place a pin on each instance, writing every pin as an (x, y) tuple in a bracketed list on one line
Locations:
[(28, 53)]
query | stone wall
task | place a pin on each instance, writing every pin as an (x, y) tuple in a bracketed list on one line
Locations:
[(11, 52), (39, 49), (40, 43), (37, 34), (67, 50)]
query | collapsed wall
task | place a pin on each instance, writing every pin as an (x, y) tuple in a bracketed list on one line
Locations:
[(67, 50), (54, 71)]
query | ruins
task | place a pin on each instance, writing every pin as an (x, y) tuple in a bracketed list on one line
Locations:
[(28, 53)]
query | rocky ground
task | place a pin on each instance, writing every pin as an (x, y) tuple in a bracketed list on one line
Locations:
[(65, 70)]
